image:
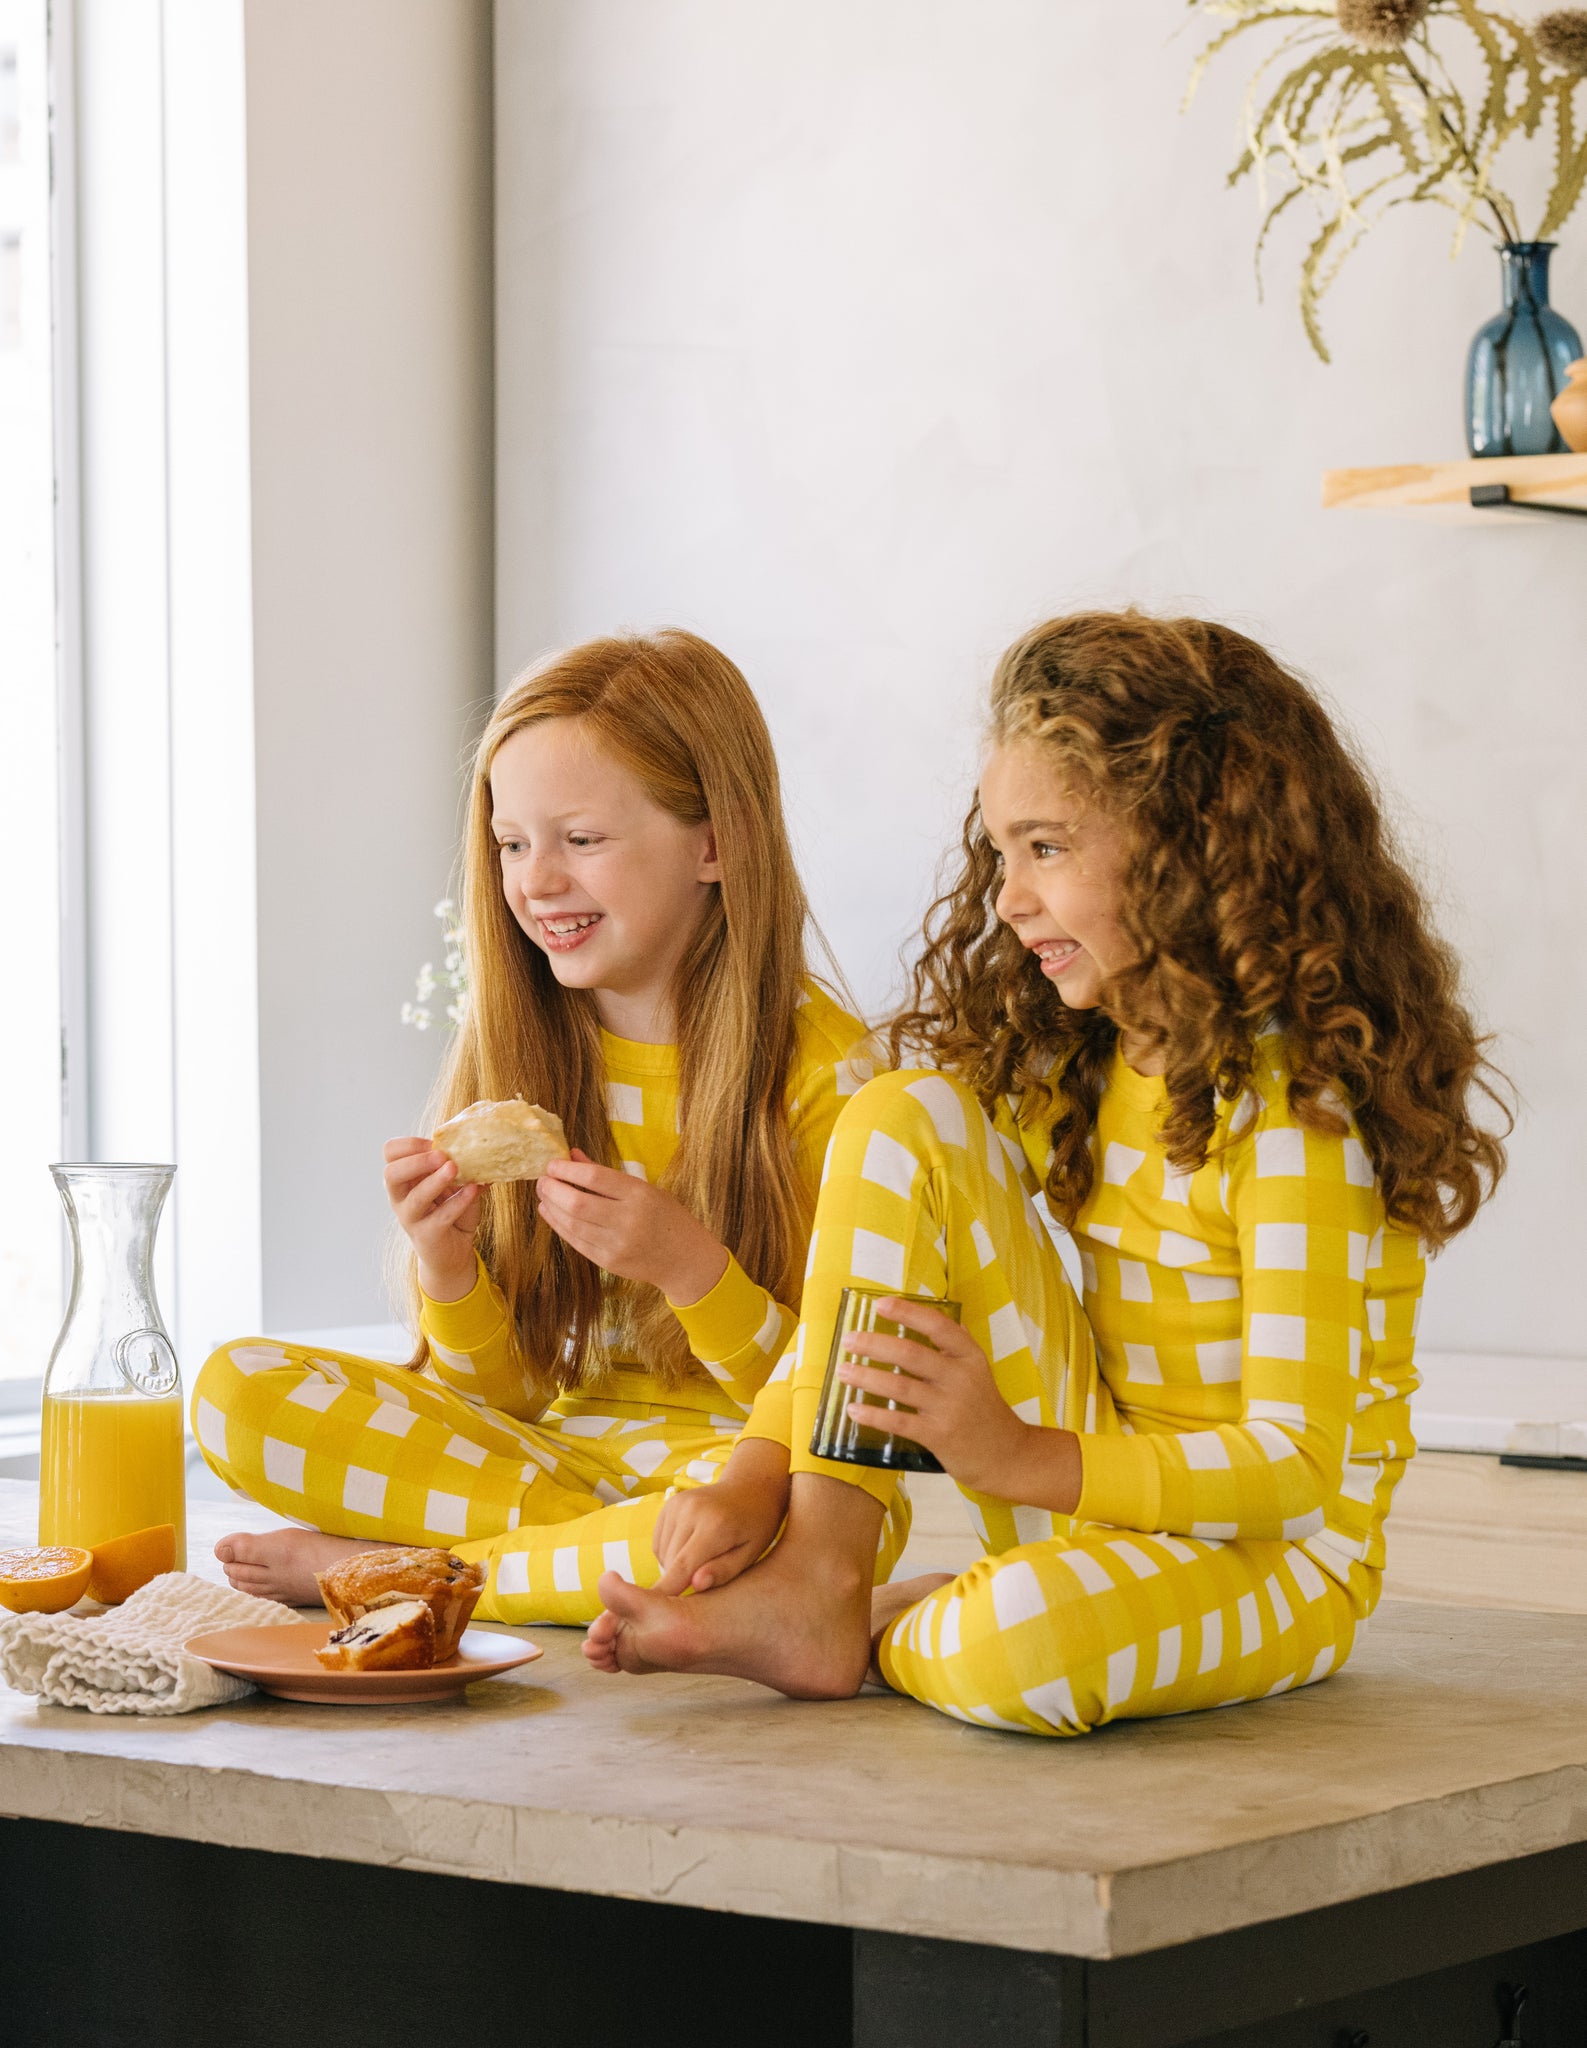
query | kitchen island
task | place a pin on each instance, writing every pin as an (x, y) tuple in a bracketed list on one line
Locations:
[(612, 1852)]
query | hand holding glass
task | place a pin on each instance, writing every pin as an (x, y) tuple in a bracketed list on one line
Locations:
[(838, 1433)]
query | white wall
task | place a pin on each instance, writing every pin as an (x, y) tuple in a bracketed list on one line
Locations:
[(861, 336), (369, 276)]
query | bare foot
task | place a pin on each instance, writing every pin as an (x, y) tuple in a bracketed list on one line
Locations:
[(802, 1631), (891, 1600), (280, 1564), (894, 1599)]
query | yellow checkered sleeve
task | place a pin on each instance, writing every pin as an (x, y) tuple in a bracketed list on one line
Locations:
[(1255, 1321), (1302, 1205), (737, 1332), (473, 1352), (772, 1415)]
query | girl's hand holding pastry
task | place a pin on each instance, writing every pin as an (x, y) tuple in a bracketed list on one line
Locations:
[(439, 1217), (960, 1417), (627, 1227)]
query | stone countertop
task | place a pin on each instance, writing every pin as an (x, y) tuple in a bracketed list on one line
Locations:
[(1454, 1739)]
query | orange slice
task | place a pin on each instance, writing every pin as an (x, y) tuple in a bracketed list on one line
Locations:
[(43, 1581), (125, 1563)]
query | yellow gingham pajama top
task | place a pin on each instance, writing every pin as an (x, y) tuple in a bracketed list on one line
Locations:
[(1239, 1375), (468, 1453)]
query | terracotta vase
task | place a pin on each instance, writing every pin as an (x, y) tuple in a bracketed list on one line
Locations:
[(1570, 408)]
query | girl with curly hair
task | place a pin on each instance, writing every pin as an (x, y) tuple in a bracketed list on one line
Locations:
[(1183, 989)]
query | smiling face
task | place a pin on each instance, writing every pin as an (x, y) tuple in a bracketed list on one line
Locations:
[(607, 884), (1063, 866)]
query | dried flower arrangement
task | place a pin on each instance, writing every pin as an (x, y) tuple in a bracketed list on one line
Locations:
[(1357, 107)]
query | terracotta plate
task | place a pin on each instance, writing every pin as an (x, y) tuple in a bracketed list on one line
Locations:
[(281, 1660)]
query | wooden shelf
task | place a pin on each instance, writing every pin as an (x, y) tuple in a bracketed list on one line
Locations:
[(1441, 490)]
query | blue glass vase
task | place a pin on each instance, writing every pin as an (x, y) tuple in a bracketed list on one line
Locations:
[(1517, 364)]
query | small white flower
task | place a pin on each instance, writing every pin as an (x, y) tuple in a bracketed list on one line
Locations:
[(452, 975)]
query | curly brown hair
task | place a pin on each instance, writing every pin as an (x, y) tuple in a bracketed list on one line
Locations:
[(1260, 882)]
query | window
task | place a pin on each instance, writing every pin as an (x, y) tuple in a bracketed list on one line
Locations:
[(30, 810)]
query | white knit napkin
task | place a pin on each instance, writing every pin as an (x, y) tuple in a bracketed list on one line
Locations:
[(131, 1660)]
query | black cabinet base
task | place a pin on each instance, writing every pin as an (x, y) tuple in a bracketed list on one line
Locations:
[(133, 1941), (918, 1994), (933, 1994)]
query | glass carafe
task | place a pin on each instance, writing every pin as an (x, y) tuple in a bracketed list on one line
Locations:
[(112, 1452)]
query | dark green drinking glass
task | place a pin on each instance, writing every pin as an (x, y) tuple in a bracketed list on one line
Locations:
[(837, 1434)]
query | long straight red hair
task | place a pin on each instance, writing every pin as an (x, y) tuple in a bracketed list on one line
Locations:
[(679, 716)]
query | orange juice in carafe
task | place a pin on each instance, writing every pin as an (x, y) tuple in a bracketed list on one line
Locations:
[(111, 1463), (112, 1453)]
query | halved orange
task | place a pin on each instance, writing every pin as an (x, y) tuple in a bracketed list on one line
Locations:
[(125, 1563), (45, 1580)]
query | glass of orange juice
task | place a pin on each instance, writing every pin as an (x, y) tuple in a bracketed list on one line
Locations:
[(112, 1452)]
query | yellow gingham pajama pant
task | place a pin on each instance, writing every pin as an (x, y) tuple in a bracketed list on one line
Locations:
[(358, 1447), (1061, 1626)]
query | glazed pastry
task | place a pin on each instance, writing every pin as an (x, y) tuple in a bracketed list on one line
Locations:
[(491, 1141), (449, 1588), (394, 1633)]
